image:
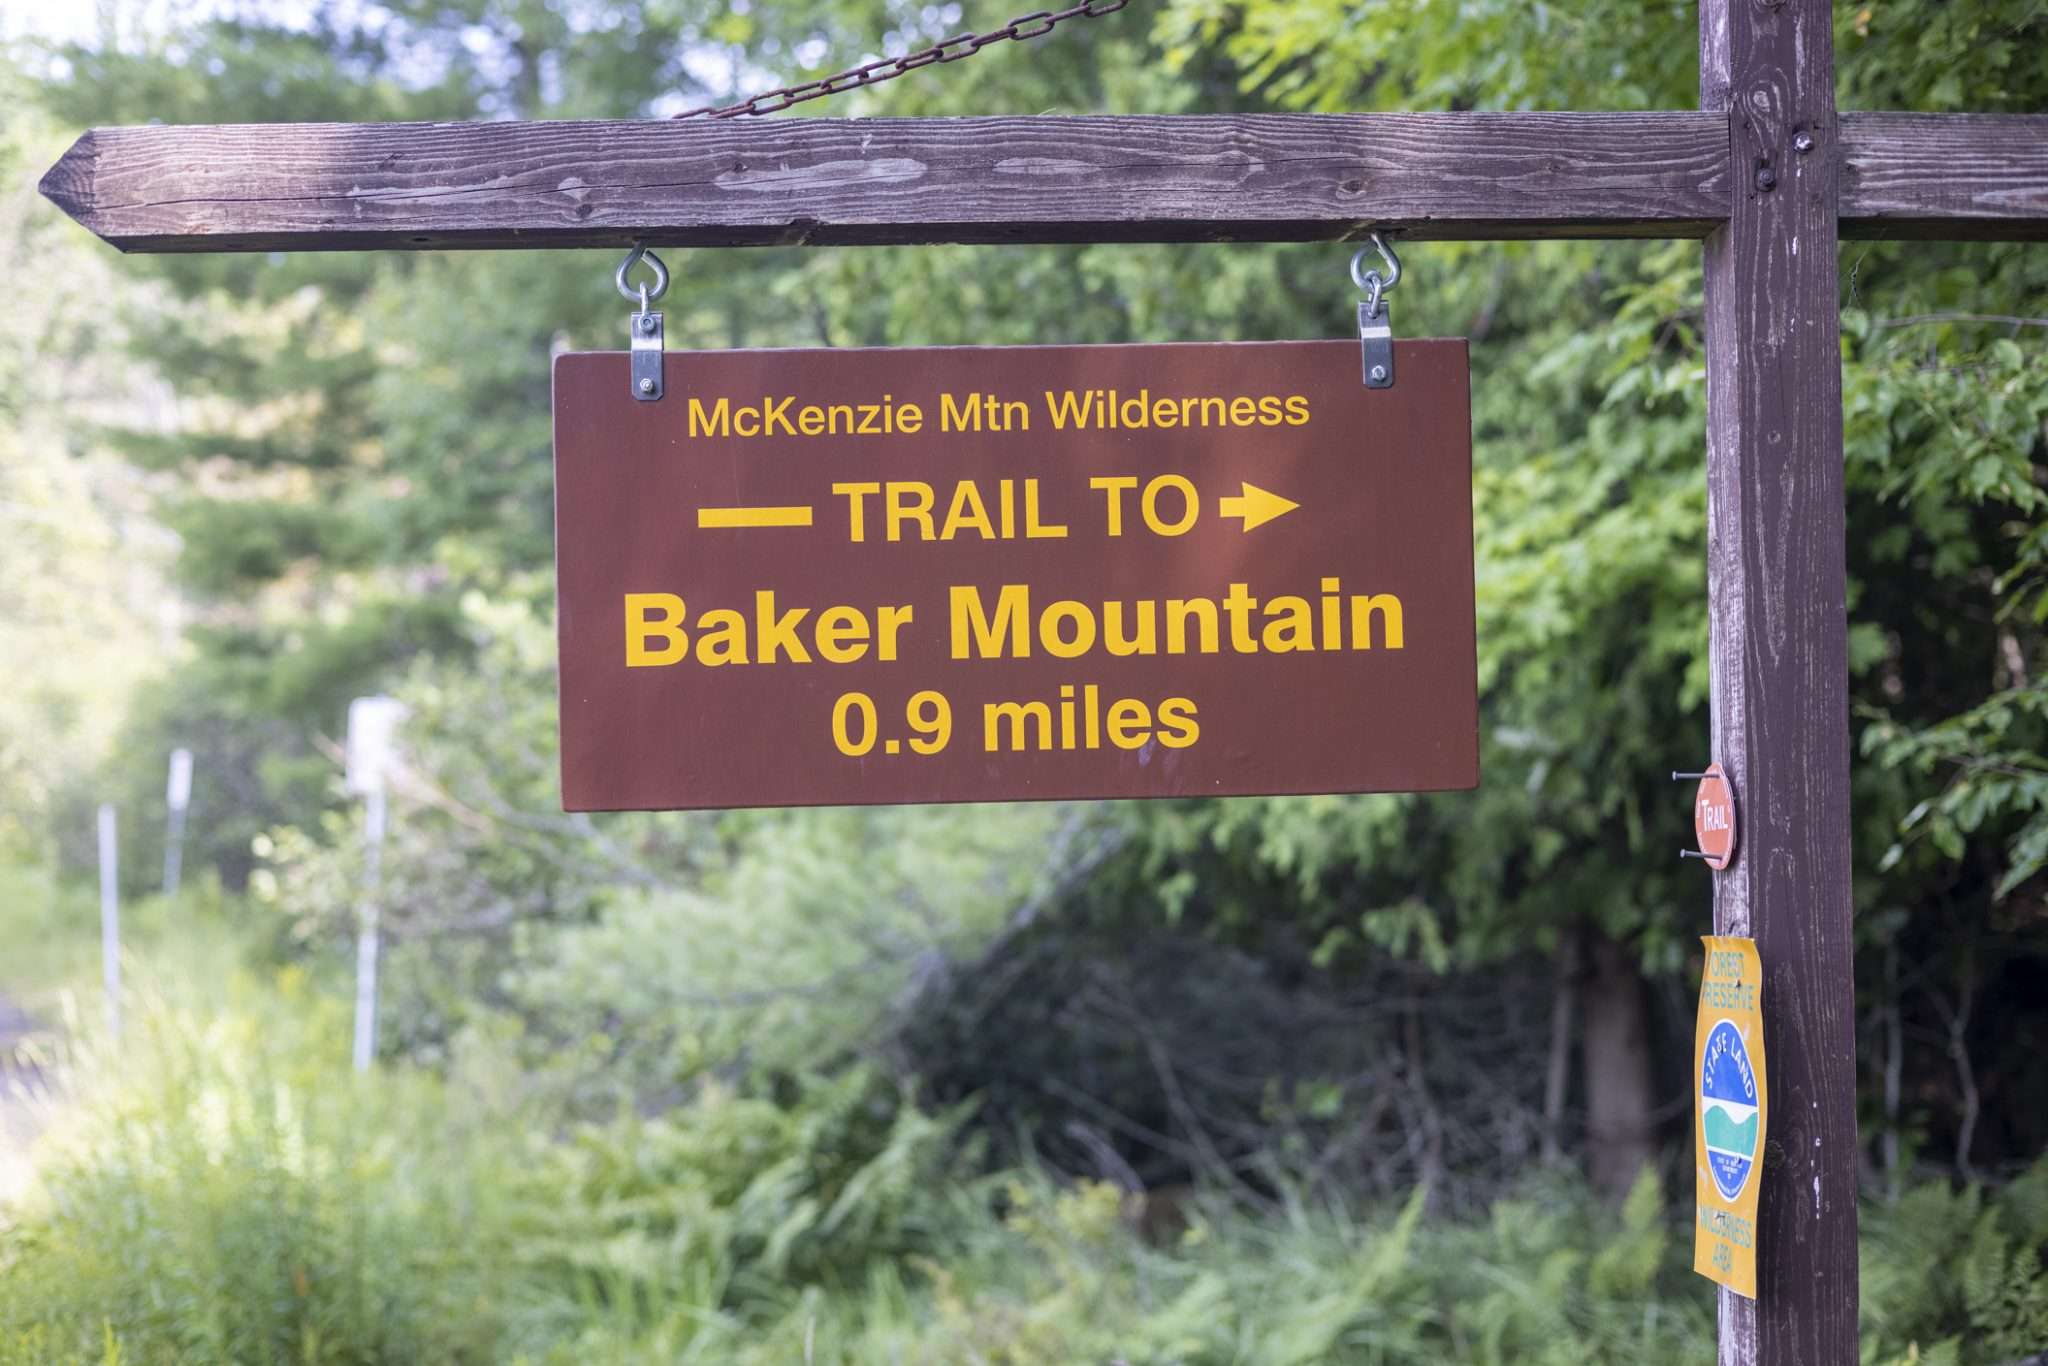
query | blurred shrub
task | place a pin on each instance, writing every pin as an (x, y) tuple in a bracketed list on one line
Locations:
[(711, 1227), (645, 948), (220, 1188), (1957, 1275)]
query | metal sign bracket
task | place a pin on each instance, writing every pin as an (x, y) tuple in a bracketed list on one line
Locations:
[(647, 354), (1375, 322), (1376, 345), (644, 328)]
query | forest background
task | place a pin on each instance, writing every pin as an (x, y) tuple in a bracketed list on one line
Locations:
[(1283, 1080)]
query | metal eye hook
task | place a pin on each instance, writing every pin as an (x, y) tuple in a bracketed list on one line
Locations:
[(1371, 281), (634, 257), (1393, 276), (644, 331)]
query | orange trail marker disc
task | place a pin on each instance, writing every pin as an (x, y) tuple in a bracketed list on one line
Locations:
[(1713, 818)]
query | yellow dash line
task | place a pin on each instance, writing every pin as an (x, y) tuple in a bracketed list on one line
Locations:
[(721, 518)]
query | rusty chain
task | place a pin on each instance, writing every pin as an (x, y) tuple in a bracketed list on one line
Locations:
[(1033, 25)]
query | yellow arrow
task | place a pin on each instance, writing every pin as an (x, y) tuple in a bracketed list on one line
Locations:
[(1256, 506)]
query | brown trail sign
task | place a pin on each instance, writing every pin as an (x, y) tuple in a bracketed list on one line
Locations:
[(994, 573), (1765, 171)]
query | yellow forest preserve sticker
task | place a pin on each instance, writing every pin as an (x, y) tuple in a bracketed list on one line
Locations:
[(1730, 1105)]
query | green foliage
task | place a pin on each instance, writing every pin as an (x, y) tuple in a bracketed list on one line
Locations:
[(1958, 1275), (229, 1195), (808, 933), (663, 945), (713, 1223), (1950, 423), (1323, 1285), (1992, 759), (263, 709), (1411, 54), (222, 1188), (1589, 402)]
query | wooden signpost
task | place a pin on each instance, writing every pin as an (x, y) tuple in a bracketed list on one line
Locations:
[(993, 573), (1766, 172)]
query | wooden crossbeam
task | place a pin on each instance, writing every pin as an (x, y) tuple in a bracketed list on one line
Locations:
[(1179, 178), (1957, 177), (1173, 178)]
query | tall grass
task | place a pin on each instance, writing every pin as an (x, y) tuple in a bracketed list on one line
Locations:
[(220, 1188)]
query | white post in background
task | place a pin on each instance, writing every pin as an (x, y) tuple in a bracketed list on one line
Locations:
[(177, 796), (110, 920), (366, 931), (372, 741)]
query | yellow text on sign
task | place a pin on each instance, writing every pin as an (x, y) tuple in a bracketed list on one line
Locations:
[(1731, 1106), (1166, 505), (662, 629), (910, 505)]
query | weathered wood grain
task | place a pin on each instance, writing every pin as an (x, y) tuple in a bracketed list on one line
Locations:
[(324, 187), (1184, 178), (1952, 176), (1778, 634)]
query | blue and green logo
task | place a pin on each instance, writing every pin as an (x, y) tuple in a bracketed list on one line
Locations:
[(1729, 1117)]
